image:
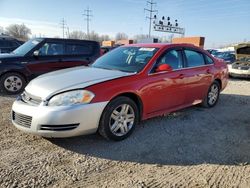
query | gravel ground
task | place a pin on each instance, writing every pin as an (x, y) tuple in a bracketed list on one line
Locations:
[(195, 147)]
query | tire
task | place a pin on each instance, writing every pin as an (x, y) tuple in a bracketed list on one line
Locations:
[(12, 83), (119, 119), (212, 95)]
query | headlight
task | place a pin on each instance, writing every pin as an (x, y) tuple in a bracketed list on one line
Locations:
[(71, 98)]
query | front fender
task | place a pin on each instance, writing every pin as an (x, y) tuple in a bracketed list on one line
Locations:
[(19, 68)]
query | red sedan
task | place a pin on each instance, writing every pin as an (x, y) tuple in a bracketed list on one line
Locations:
[(128, 84)]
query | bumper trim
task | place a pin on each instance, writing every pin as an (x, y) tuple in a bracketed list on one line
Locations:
[(66, 127)]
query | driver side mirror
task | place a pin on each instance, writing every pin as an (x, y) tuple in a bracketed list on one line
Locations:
[(36, 53), (163, 68)]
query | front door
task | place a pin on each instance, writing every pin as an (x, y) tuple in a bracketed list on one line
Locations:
[(49, 58), (165, 91)]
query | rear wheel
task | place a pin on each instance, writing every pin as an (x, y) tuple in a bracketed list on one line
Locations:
[(212, 95), (119, 119), (12, 83)]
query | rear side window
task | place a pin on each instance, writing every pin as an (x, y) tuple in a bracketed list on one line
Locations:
[(209, 60), (15, 44), (172, 58), (79, 49), (194, 59)]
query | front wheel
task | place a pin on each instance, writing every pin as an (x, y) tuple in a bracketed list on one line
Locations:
[(119, 119), (212, 95), (12, 83)]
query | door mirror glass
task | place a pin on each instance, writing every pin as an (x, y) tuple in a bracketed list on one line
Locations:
[(36, 53), (163, 67)]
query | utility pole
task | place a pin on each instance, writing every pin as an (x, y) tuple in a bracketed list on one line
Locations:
[(88, 15), (151, 4), (68, 32), (63, 25)]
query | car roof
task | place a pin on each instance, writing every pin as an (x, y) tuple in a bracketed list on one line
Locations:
[(69, 40), (161, 45), (6, 37)]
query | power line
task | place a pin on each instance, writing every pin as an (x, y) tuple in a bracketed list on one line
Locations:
[(88, 15), (151, 4), (63, 26)]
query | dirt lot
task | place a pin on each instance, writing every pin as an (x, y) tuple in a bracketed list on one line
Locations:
[(195, 147)]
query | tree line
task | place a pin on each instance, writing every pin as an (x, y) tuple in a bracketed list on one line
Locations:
[(22, 32)]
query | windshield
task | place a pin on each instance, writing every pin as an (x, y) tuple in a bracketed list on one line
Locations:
[(225, 55), (127, 59), (27, 46)]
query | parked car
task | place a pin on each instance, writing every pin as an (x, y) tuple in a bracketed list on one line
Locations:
[(212, 51), (228, 57), (241, 68), (8, 44), (42, 55), (106, 49), (119, 90)]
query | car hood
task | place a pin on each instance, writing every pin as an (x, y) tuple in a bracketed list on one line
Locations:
[(242, 52), (52, 83), (9, 57)]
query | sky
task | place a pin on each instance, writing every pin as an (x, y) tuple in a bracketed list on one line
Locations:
[(221, 22)]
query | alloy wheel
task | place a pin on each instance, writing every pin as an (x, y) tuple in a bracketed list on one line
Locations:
[(122, 120), (213, 94)]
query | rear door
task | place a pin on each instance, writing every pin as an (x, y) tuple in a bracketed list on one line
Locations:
[(80, 53), (198, 75)]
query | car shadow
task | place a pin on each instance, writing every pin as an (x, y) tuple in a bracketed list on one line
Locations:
[(9, 96), (220, 135), (235, 79)]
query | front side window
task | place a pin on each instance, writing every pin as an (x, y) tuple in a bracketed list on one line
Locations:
[(194, 59), (172, 58), (51, 49), (127, 59)]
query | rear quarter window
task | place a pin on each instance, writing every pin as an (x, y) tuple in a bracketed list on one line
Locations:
[(80, 49), (5, 44), (209, 60)]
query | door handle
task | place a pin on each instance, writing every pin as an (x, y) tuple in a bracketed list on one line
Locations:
[(180, 76), (208, 71)]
